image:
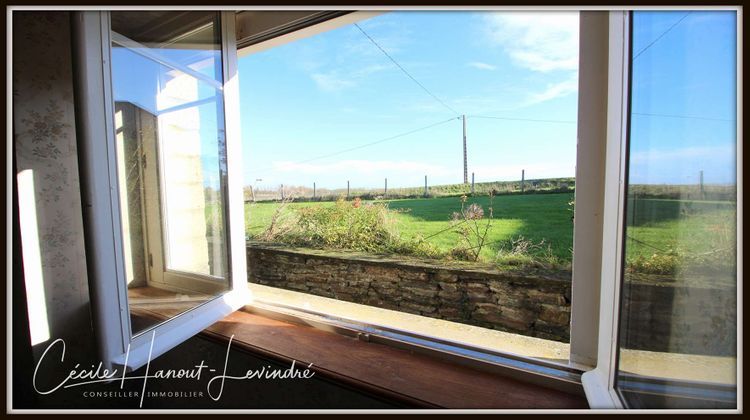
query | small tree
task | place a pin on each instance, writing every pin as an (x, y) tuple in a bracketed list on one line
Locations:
[(472, 227)]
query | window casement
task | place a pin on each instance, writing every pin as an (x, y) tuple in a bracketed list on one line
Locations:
[(604, 93), (173, 125)]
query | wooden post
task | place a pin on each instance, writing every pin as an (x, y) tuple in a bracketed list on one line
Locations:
[(313, 191), (466, 174), (425, 185), (523, 175), (472, 183), (347, 190), (703, 192)]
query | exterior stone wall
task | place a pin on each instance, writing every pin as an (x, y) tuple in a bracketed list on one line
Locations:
[(661, 316), (535, 305)]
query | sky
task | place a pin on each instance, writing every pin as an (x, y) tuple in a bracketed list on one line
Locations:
[(310, 108), (689, 72), (337, 90)]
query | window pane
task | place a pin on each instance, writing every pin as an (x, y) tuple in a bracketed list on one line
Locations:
[(678, 322), (169, 122), (173, 73)]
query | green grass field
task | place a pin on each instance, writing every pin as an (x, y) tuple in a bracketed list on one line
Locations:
[(535, 217), (656, 226)]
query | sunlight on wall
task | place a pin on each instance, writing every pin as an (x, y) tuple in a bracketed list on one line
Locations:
[(32, 259)]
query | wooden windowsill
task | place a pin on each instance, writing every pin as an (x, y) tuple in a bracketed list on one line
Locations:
[(413, 379)]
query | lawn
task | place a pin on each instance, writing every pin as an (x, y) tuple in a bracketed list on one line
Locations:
[(656, 226), (540, 217)]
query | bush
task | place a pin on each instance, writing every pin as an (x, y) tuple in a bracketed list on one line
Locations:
[(522, 252), (349, 225)]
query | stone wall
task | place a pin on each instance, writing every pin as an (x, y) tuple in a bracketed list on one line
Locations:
[(536, 305)]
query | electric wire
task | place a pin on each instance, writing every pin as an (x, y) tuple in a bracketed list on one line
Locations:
[(660, 36), (406, 72)]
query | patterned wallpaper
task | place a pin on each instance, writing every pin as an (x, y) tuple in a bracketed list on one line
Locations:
[(45, 141)]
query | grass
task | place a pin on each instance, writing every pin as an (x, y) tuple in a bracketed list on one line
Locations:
[(663, 234), (535, 217)]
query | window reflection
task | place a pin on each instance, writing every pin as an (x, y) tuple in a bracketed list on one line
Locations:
[(167, 87), (678, 323)]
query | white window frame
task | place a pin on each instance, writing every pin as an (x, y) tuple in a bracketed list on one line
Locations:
[(598, 214), (118, 348), (599, 383)]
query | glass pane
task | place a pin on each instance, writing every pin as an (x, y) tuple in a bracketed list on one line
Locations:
[(678, 322), (167, 85)]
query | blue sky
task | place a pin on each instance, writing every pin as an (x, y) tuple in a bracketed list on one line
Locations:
[(689, 72), (336, 90)]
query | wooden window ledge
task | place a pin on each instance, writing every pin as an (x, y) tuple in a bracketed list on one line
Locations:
[(414, 379)]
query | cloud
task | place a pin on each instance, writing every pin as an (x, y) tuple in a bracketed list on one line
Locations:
[(331, 82), (361, 167), (554, 90), (537, 41), (334, 81), (481, 66)]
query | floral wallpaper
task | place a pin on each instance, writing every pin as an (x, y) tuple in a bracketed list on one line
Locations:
[(45, 142)]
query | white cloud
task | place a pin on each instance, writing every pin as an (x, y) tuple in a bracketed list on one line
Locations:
[(537, 41), (331, 82), (481, 66), (361, 167), (554, 90)]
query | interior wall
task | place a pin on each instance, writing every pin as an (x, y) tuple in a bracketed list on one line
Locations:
[(45, 147)]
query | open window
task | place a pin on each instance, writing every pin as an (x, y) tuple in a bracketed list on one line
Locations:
[(159, 182), (671, 278)]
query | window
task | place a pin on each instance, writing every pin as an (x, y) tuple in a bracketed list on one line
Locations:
[(653, 103), (160, 185), (668, 309), (678, 316)]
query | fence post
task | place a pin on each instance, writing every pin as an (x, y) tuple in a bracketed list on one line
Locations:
[(703, 192), (282, 192), (313, 191), (385, 190), (347, 190), (523, 179), (425, 185), (472, 183)]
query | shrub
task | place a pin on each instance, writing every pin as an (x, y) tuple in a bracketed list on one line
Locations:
[(349, 225), (522, 252)]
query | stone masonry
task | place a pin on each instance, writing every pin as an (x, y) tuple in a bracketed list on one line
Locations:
[(536, 305)]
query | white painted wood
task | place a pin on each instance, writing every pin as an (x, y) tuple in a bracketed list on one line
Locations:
[(599, 383), (589, 194)]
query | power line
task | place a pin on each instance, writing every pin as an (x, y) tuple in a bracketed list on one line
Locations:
[(660, 36), (687, 117), (404, 70), (523, 119), (376, 141)]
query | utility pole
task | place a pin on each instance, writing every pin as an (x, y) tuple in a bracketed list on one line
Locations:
[(425, 185), (703, 192), (466, 171), (385, 190), (313, 190), (472, 183), (347, 190), (523, 176)]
